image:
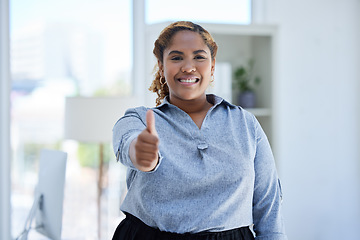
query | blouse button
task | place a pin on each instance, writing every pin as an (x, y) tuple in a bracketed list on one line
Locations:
[(202, 146)]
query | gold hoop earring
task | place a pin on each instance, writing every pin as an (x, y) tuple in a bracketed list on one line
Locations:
[(212, 78), (162, 83)]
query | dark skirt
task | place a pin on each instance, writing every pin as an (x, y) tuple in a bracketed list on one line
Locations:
[(132, 228)]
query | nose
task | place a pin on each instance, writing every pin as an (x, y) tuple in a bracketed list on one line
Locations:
[(188, 67)]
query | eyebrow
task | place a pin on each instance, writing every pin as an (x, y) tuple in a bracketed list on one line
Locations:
[(181, 53)]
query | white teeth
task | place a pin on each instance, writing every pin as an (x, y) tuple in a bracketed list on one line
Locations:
[(188, 80)]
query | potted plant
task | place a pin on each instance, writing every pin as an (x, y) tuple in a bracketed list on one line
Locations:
[(245, 82)]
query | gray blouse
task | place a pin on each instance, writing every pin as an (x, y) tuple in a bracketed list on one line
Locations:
[(216, 178)]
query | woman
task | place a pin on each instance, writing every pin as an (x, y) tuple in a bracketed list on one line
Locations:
[(199, 167)]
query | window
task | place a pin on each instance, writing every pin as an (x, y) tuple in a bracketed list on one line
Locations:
[(225, 11), (59, 49)]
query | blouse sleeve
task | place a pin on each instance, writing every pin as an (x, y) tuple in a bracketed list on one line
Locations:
[(125, 130), (267, 199)]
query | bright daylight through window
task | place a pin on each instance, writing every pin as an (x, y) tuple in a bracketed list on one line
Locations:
[(226, 11)]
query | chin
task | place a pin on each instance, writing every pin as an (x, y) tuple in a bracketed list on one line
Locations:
[(190, 97)]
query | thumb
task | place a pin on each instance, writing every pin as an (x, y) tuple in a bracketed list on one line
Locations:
[(150, 122)]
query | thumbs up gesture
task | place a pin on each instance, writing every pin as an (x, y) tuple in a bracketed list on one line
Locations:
[(144, 149)]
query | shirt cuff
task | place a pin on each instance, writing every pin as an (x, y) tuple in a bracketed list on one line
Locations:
[(123, 154)]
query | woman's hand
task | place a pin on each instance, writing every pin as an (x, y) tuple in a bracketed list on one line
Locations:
[(144, 149)]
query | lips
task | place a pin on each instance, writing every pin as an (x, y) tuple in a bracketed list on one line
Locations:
[(189, 80)]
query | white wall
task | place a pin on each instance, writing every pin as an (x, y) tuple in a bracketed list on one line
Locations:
[(319, 116), (4, 123)]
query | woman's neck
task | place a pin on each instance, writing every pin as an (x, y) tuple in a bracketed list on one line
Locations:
[(194, 106)]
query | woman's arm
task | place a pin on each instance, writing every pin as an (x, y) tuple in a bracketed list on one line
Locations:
[(268, 222), (135, 142)]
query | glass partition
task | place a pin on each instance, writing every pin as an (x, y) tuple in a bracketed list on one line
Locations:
[(225, 11), (61, 49)]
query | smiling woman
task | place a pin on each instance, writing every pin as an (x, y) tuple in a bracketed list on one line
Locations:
[(198, 166)]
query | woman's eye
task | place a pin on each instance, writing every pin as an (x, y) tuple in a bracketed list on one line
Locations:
[(200, 57), (176, 58)]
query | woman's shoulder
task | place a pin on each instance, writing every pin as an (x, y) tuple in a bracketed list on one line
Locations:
[(136, 110), (133, 114), (236, 109)]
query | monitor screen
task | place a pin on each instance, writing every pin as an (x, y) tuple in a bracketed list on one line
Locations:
[(50, 192)]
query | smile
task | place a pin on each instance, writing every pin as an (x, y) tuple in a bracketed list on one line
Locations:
[(193, 80)]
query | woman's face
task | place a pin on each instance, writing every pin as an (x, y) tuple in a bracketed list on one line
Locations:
[(187, 66)]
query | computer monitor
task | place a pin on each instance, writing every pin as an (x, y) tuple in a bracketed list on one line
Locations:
[(49, 194)]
